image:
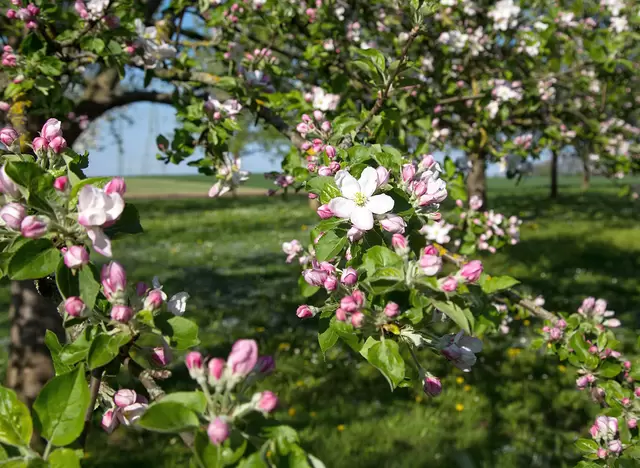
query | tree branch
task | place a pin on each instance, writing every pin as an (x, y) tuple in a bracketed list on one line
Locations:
[(94, 388)]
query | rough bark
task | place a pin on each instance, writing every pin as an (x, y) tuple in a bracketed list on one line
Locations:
[(554, 174), (477, 178), (586, 175), (32, 314)]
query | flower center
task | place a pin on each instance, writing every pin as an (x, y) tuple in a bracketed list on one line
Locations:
[(360, 199)]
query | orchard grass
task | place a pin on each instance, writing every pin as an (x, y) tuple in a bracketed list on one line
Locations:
[(226, 254)]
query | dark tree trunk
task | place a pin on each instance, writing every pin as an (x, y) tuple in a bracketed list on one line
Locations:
[(586, 175), (554, 174), (32, 314), (477, 178)]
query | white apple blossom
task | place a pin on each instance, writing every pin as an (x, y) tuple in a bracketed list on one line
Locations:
[(358, 203), (437, 232), (460, 350), (230, 176), (619, 24), (505, 15), (324, 101), (97, 208), (153, 49), (177, 304)]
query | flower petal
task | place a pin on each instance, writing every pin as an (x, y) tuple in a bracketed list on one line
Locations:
[(101, 242), (114, 207), (469, 342), (178, 303), (368, 181), (362, 218), (380, 204), (341, 207), (347, 184)]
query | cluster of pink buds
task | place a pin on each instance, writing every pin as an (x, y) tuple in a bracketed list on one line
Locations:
[(469, 273), (597, 311), (114, 285), (556, 332), (525, 141), (321, 274), (586, 380), (422, 181), (128, 408), (232, 13), (430, 261), (261, 55), (294, 249), (605, 432), (566, 133), (242, 365), (9, 59), (317, 129), (27, 14), (351, 307), (50, 142)]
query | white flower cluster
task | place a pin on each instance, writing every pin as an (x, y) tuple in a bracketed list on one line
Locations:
[(502, 92), (505, 15), (153, 49), (546, 89), (455, 39)]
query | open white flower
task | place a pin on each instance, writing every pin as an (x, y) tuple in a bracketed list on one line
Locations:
[(96, 209), (357, 202), (177, 305)]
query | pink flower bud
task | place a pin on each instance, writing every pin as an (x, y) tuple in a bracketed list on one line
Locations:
[(216, 366), (449, 284), (432, 386), (218, 430), (331, 283), (61, 183), (393, 224), (193, 361), (341, 315), (74, 306), (331, 151), (593, 349), (615, 446), (12, 14), (154, 300), (306, 118), (637, 392), (408, 172), (632, 423), (311, 167), (243, 357), (116, 185), (161, 356), (348, 304), (358, 297), (383, 175), (325, 126), (76, 256), (125, 397), (217, 115), (306, 146), (58, 144), (34, 10), (315, 277), (121, 313), (602, 453), (51, 129), (302, 128), (109, 421), (325, 171), (12, 214), (357, 319), (7, 185), (305, 311), (268, 402), (4, 106), (419, 188), (318, 115), (627, 364), (391, 309), (561, 324), (555, 334), (354, 234), (33, 227), (349, 276), (334, 166), (471, 271), (398, 241), (114, 279), (625, 401), (582, 382), (8, 135)]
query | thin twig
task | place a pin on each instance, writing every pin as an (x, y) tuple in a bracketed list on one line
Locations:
[(94, 389)]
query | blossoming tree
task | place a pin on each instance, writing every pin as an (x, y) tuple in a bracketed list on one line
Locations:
[(365, 93)]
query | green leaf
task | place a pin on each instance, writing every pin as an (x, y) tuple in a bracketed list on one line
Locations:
[(580, 346), (182, 332), (50, 65), (327, 338), (16, 426), (64, 458), (89, 284), (36, 184), (317, 184), (328, 193), (253, 461), (105, 348), (35, 259), (61, 406), (79, 349), (306, 289), (3, 454), (609, 369), (376, 57), (51, 340), (168, 416), (587, 445), (330, 245), (346, 333), (127, 223), (454, 312), (66, 281), (494, 284), (195, 401), (385, 356), (378, 257)]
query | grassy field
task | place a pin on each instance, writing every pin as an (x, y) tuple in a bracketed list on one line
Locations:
[(517, 408)]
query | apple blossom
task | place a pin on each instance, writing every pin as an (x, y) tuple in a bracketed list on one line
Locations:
[(109, 421), (218, 431), (391, 309), (116, 185), (8, 136), (154, 300), (393, 224), (349, 276), (125, 397), (194, 363), (432, 386), (74, 306), (268, 402), (358, 202), (357, 319), (460, 350), (12, 215), (216, 367), (7, 185), (430, 261), (243, 357), (34, 227), (354, 234), (448, 284), (161, 355), (76, 256), (305, 311), (61, 183), (114, 280), (471, 271), (325, 212), (121, 313)]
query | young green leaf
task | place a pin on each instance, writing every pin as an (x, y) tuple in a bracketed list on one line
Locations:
[(16, 426), (35, 259), (168, 416)]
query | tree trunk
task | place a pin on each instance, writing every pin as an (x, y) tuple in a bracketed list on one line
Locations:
[(554, 174), (32, 315), (586, 175), (477, 178)]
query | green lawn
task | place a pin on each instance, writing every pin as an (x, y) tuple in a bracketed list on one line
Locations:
[(517, 408)]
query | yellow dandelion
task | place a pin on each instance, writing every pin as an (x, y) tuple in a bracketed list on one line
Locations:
[(292, 412), (284, 346), (340, 427), (300, 383), (562, 368), (459, 406), (304, 227), (260, 329), (526, 323), (548, 345), (467, 388), (513, 352), (313, 414), (460, 380)]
